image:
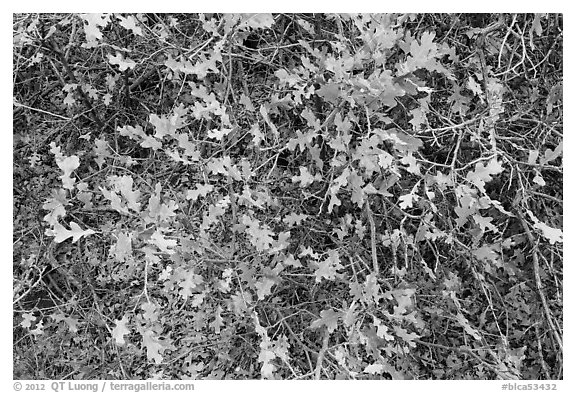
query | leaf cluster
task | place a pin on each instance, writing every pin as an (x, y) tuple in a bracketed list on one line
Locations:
[(288, 196)]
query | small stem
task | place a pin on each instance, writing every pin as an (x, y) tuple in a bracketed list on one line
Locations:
[(16, 104), (51, 47), (370, 217), (321, 355), (538, 280)]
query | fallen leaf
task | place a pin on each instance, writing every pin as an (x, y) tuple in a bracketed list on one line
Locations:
[(120, 330)]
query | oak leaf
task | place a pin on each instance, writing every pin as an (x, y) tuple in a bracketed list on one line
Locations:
[(154, 346), (218, 320), (120, 330), (68, 165), (328, 318), (328, 268), (60, 233), (129, 23), (123, 63), (256, 21)]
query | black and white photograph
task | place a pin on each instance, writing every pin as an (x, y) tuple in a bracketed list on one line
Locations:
[(287, 196)]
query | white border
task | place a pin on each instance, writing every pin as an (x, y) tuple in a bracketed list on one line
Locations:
[(301, 6)]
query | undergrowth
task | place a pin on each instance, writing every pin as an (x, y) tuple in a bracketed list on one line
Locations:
[(287, 196)]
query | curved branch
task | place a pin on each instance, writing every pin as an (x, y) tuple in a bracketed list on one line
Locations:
[(538, 280)]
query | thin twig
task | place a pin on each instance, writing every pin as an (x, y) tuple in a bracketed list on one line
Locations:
[(559, 36), (304, 346), (18, 105), (521, 36), (452, 127), (40, 276), (493, 367), (51, 46), (321, 355), (505, 38), (543, 364), (554, 199), (456, 150), (372, 238), (538, 280)]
